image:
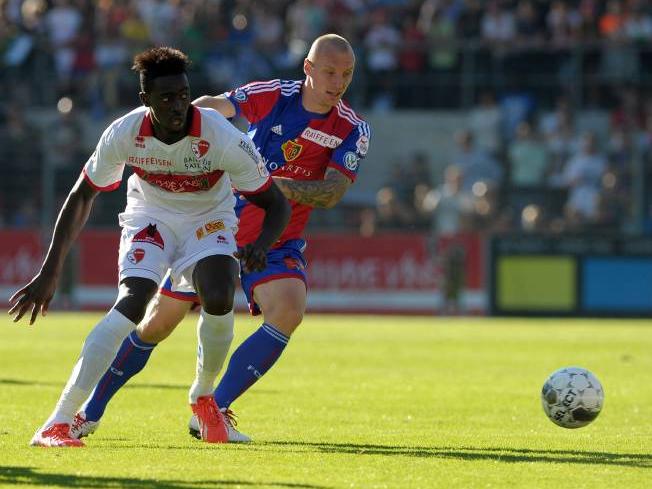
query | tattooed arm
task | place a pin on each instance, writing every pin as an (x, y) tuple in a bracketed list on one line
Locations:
[(316, 193)]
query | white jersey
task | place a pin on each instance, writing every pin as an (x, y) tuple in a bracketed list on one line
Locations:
[(191, 177)]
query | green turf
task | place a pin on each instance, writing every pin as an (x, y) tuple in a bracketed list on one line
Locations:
[(356, 402)]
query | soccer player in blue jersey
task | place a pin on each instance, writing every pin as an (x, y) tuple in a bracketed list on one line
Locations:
[(312, 143)]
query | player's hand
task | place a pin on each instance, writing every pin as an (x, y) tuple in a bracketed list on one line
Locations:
[(253, 258), (35, 296)]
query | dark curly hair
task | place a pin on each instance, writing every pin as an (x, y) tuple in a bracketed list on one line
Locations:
[(161, 61)]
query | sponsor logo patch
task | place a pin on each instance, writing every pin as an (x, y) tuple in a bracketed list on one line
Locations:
[(351, 161), (135, 256), (199, 147), (248, 148), (209, 228), (362, 145), (222, 240), (278, 130), (291, 150), (321, 138), (149, 235)]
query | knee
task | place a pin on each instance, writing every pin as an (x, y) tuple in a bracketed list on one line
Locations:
[(217, 302), (155, 329), (133, 298), (285, 319)]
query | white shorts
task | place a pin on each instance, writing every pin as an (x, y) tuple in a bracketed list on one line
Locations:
[(153, 242)]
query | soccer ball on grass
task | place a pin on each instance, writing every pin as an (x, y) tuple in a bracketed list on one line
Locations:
[(572, 397)]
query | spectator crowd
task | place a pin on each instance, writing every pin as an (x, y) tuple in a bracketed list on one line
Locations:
[(523, 70)]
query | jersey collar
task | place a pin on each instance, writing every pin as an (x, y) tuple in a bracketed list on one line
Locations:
[(147, 129)]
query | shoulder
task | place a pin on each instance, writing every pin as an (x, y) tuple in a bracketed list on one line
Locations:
[(269, 88), (128, 123), (348, 115)]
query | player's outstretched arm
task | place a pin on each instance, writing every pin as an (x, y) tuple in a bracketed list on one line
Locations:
[(316, 193), (277, 214), (218, 102), (37, 294)]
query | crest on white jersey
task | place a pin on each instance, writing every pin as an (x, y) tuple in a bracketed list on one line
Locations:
[(199, 147), (278, 130)]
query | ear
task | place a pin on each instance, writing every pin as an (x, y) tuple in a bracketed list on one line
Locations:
[(144, 98), (307, 67)]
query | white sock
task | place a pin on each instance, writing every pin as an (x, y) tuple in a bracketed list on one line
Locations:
[(99, 349), (214, 335)]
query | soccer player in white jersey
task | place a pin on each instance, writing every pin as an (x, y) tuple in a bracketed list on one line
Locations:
[(179, 216), (312, 142)]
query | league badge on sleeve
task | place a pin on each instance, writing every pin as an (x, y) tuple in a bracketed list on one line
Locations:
[(240, 95), (351, 161)]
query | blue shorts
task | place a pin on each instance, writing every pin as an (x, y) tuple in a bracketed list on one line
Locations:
[(285, 261)]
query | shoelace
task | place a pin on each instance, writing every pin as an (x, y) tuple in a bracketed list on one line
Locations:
[(77, 422), (60, 431), (230, 417)]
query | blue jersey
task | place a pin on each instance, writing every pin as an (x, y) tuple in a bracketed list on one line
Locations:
[(297, 144)]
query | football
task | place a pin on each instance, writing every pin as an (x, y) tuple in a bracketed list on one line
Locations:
[(572, 397)]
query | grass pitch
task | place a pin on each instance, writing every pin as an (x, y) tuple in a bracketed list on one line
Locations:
[(356, 402)]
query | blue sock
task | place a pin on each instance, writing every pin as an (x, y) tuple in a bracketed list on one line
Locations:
[(249, 362), (130, 359)]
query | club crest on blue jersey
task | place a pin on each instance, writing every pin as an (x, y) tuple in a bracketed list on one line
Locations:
[(291, 150)]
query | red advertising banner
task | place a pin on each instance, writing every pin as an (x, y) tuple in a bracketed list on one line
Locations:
[(389, 261), (20, 257), (383, 273)]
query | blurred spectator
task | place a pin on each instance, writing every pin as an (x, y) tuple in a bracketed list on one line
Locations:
[(498, 26), (382, 44), (583, 177), (528, 158), (475, 164), (485, 120), (449, 204), (62, 23)]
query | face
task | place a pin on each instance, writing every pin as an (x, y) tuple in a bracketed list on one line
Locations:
[(168, 99), (328, 76)]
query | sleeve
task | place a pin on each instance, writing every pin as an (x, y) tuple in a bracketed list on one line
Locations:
[(346, 157), (103, 170), (245, 166), (255, 100)]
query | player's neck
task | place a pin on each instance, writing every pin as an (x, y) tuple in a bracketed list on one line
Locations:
[(309, 102), (168, 136)]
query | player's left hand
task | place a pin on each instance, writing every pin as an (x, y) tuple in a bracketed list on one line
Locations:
[(253, 258)]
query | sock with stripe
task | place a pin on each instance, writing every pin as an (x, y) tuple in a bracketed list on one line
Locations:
[(130, 360), (252, 359)]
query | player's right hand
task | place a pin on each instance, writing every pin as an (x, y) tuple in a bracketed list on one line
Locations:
[(252, 258), (36, 296)]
